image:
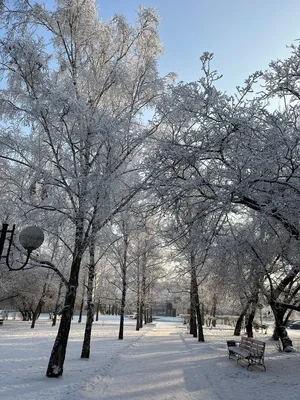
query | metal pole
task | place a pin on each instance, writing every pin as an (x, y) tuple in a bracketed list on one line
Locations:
[(2, 237), (12, 231)]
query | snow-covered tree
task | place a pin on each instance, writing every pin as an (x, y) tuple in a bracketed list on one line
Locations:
[(71, 105), (234, 152)]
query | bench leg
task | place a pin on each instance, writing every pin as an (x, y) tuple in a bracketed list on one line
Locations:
[(231, 353), (256, 361), (239, 358)]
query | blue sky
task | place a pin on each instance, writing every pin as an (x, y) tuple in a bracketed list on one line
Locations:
[(244, 35)]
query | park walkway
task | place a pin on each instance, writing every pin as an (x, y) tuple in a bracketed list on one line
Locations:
[(160, 366)]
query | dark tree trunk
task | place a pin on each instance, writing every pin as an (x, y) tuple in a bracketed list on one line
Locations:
[(214, 310), (150, 315), (54, 319), (57, 304), (138, 296), (85, 352), (143, 289), (146, 316), (34, 318), (141, 313), (249, 323), (193, 319), (123, 302), (195, 300), (284, 337), (239, 325), (124, 281), (86, 345), (137, 328), (98, 310), (26, 315), (200, 325), (278, 315), (80, 310), (251, 314), (37, 312), (239, 322), (287, 317), (82, 302), (58, 354), (280, 330), (280, 310), (202, 312)]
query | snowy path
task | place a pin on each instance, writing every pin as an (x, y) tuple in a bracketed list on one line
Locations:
[(160, 366)]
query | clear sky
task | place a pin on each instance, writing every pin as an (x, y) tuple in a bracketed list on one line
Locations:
[(244, 35)]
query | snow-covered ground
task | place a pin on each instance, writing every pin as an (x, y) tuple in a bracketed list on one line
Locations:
[(162, 361)]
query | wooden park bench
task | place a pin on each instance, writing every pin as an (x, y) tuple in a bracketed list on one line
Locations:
[(249, 349)]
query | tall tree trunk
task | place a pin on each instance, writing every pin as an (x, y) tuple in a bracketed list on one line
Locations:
[(150, 314), (141, 313), (287, 316), (34, 318), (249, 323), (202, 312), (80, 310), (214, 310), (54, 319), (124, 282), (239, 322), (138, 309), (26, 315), (143, 288), (138, 296), (37, 312), (146, 316), (86, 345), (82, 301), (251, 315), (195, 299), (199, 323), (137, 328), (122, 313), (57, 304), (58, 354), (278, 311), (193, 320), (280, 330), (98, 309)]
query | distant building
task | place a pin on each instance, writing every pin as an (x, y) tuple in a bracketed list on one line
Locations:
[(164, 309)]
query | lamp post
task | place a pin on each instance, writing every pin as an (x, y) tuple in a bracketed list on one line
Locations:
[(30, 238)]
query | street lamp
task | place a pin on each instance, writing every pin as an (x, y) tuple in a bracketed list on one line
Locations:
[(30, 238)]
